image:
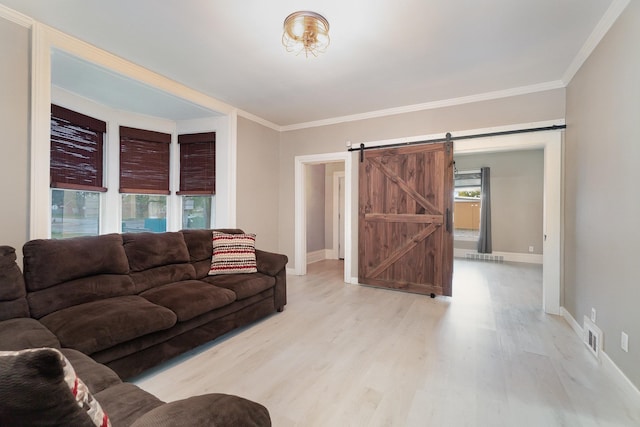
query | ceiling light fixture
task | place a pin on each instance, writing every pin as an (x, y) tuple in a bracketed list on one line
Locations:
[(306, 32)]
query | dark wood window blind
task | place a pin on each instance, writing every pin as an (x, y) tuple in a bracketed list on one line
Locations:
[(77, 151), (197, 164), (144, 161)]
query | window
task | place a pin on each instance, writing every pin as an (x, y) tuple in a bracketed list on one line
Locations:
[(466, 213), (196, 211), (144, 179), (76, 169), (144, 212), (197, 178), (74, 213), (467, 184)]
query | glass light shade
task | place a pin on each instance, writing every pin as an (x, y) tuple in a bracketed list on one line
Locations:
[(306, 32)]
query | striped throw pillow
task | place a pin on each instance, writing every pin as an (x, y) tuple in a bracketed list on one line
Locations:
[(233, 253)]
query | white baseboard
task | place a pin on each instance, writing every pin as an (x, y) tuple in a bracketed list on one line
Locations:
[(505, 256), (319, 255), (315, 256), (608, 365), (571, 321), (291, 271)]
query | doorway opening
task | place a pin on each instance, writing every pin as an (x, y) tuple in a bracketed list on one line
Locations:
[(324, 206), (550, 142), (307, 233)]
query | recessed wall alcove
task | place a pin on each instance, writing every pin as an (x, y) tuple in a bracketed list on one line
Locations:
[(67, 70)]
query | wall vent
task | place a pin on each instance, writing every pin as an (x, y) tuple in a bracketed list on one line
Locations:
[(592, 337), (484, 257)]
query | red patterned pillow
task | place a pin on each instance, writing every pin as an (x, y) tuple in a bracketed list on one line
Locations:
[(40, 387), (233, 253), (84, 399)]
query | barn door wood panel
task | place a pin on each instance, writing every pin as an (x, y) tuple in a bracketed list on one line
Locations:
[(405, 218)]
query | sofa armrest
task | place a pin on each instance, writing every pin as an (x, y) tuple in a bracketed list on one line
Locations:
[(207, 410), (270, 263)]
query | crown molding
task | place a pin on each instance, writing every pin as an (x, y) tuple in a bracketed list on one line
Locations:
[(598, 33), (16, 17), (259, 120), (487, 96)]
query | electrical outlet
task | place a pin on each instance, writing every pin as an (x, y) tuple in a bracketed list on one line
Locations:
[(593, 315), (530, 249), (624, 341)]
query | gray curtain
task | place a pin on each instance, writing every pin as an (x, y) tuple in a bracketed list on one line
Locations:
[(484, 240)]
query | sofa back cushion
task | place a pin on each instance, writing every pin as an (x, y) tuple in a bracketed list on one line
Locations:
[(67, 272), (12, 291), (156, 259), (200, 245)]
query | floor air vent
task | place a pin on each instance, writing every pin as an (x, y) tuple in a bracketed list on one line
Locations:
[(485, 257), (592, 337)]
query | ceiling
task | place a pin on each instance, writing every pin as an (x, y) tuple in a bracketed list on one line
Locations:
[(384, 54)]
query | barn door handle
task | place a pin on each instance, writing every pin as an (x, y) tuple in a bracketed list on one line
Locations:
[(448, 220)]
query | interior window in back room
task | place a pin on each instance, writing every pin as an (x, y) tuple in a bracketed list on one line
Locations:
[(466, 211)]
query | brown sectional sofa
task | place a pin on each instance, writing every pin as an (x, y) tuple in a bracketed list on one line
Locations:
[(119, 304), (134, 300)]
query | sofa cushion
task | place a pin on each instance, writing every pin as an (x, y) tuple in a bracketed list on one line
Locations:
[(12, 288), (12, 309), (233, 253), (24, 332), (79, 291), (96, 376), (102, 324), (157, 259), (11, 280), (207, 410), (40, 387), (162, 275), (148, 250), (48, 262), (243, 285), (190, 298), (126, 402)]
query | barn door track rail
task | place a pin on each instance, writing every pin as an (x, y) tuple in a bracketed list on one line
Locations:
[(448, 138)]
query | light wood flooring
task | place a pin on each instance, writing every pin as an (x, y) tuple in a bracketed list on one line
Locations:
[(349, 355)]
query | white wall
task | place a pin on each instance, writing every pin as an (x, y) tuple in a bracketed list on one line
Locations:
[(330, 169), (257, 184), (14, 143), (602, 208), (315, 207)]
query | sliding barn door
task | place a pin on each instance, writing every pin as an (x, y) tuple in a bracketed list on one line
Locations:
[(405, 218)]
